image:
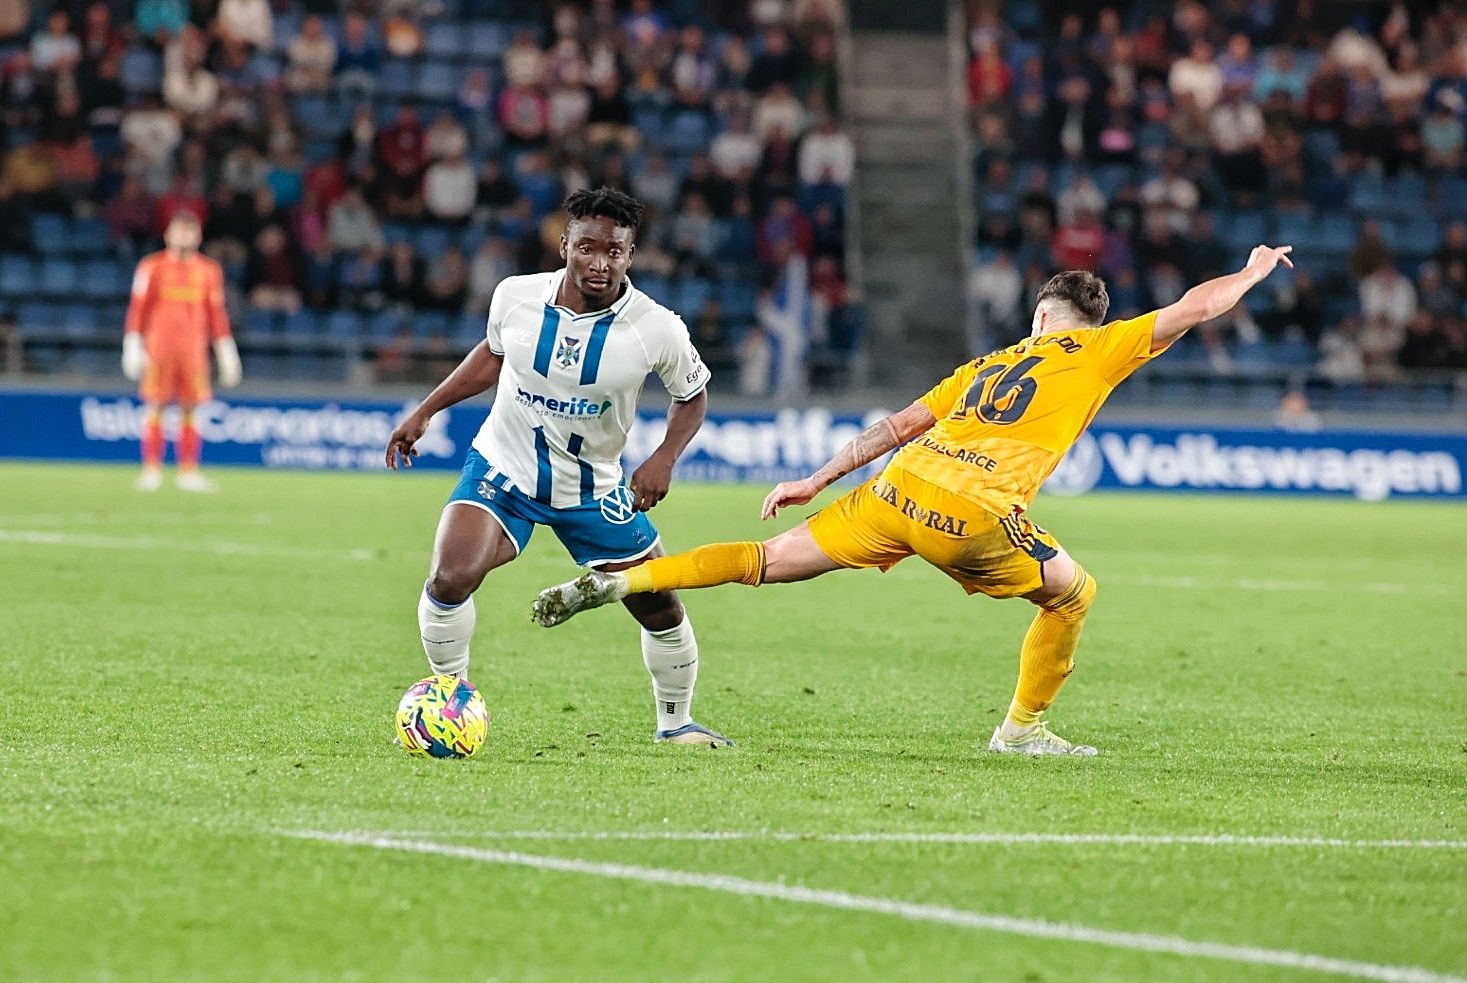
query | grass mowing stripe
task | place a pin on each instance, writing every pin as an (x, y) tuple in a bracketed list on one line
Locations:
[(45, 537), (978, 839), (911, 911)]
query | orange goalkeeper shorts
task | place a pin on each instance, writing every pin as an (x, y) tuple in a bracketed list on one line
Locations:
[(898, 515), (176, 378)]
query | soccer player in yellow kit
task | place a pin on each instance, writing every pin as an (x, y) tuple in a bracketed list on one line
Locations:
[(977, 448)]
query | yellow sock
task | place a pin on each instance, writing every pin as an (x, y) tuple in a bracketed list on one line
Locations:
[(706, 566), (1048, 655)]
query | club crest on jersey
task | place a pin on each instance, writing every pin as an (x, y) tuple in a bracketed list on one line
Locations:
[(618, 507), (569, 352)]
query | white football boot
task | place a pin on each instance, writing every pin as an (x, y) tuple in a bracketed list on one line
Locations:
[(1038, 741), (562, 602), (149, 479), (192, 481)]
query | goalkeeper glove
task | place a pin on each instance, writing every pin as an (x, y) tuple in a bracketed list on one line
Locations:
[(134, 356), (226, 358)]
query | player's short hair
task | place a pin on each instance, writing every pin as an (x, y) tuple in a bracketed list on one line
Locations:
[(1084, 292), (185, 215), (606, 202)]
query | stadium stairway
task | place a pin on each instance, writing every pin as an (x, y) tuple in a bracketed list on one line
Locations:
[(909, 203)]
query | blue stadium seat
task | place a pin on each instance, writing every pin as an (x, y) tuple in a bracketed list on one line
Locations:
[(103, 279), (318, 116), (1335, 233), (469, 328), (431, 240), (654, 286), (486, 39), (345, 325), (260, 365), (690, 296), (80, 321), (686, 132), (437, 81), (1244, 230), (384, 324), (1406, 193), (428, 323), (1293, 227), (394, 81), (1419, 235), (395, 232), (301, 325), (1321, 147), (90, 237), (142, 71), (445, 39), (1368, 195), (37, 316), (737, 299), (49, 234), (1452, 196), (260, 324), (59, 278)]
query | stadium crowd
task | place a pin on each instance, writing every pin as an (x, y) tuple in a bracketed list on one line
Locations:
[(1157, 143), (367, 172)]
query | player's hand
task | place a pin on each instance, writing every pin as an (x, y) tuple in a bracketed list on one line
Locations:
[(1263, 259), (226, 357), (134, 356), (400, 445), (651, 481), (789, 493)]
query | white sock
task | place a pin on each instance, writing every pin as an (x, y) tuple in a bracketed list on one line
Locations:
[(672, 659), (446, 631)]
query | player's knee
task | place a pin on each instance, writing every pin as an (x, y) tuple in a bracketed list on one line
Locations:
[(451, 584), (1076, 600)]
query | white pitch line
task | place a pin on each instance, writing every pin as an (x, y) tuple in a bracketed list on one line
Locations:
[(46, 537), (907, 910), (998, 839)]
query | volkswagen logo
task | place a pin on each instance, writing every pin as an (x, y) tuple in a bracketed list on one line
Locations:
[(618, 507)]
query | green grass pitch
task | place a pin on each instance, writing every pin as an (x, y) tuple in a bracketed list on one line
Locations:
[(187, 678)]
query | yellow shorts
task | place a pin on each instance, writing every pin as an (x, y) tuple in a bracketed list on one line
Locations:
[(899, 515)]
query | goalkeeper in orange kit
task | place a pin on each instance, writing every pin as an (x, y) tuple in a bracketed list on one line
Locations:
[(175, 312), (977, 449)]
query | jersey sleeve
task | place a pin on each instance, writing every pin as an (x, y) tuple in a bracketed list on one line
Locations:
[(498, 307), (214, 303), (943, 398), (139, 297), (679, 365), (1121, 347)]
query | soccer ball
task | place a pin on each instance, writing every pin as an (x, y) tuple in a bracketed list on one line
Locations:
[(442, 717)]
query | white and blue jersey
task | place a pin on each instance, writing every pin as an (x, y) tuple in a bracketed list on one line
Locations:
[(569, 388), (550, 451)]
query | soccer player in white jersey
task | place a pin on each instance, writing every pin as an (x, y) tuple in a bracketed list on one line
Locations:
[(570, 352)]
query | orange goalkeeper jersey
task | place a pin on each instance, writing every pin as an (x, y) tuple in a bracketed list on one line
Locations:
[(178, 304), (1005, 420)]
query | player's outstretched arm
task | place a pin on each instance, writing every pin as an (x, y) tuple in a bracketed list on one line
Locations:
[(477, 372), (885, 434), (1216, 297)]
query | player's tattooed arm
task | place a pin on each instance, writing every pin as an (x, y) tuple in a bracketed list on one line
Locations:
[(882, 436)]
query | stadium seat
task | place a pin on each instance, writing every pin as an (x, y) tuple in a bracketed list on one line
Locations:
[(486, 39), (737, 300), (103, 279), (142, 71), (59, 278), (1321, 147), (1244, 231), (301, 326), (690, 296), (1406, 194), (437, 81), (430, 323), (49, 234), (344, 325), (260, 324), (90, 237), (1419, 235), (384, 324), (1335, 233), (654, 286), (1452, 196), (686, 132), (1293, 227), (1368, 195), (431, 240), (445, 39), (469, 328), (37, 316), (394, 82), (318, 116), (80, 321)]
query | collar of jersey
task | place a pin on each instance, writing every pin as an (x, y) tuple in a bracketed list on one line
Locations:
[(616, 308)]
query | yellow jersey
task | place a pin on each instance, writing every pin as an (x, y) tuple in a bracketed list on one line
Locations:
[(1005, 420)]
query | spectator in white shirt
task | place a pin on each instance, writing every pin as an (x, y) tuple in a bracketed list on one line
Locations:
[(1197, 78), (450, 188), (524, 62), (996, 290), (55, 49), (1387, 295), (778, 109), (352, 226), (1081, 195), (191, 89), (735, 150), (312, 57), (1172, 191), (245, 21), (490, 265), (152, 132), (827, 155)]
